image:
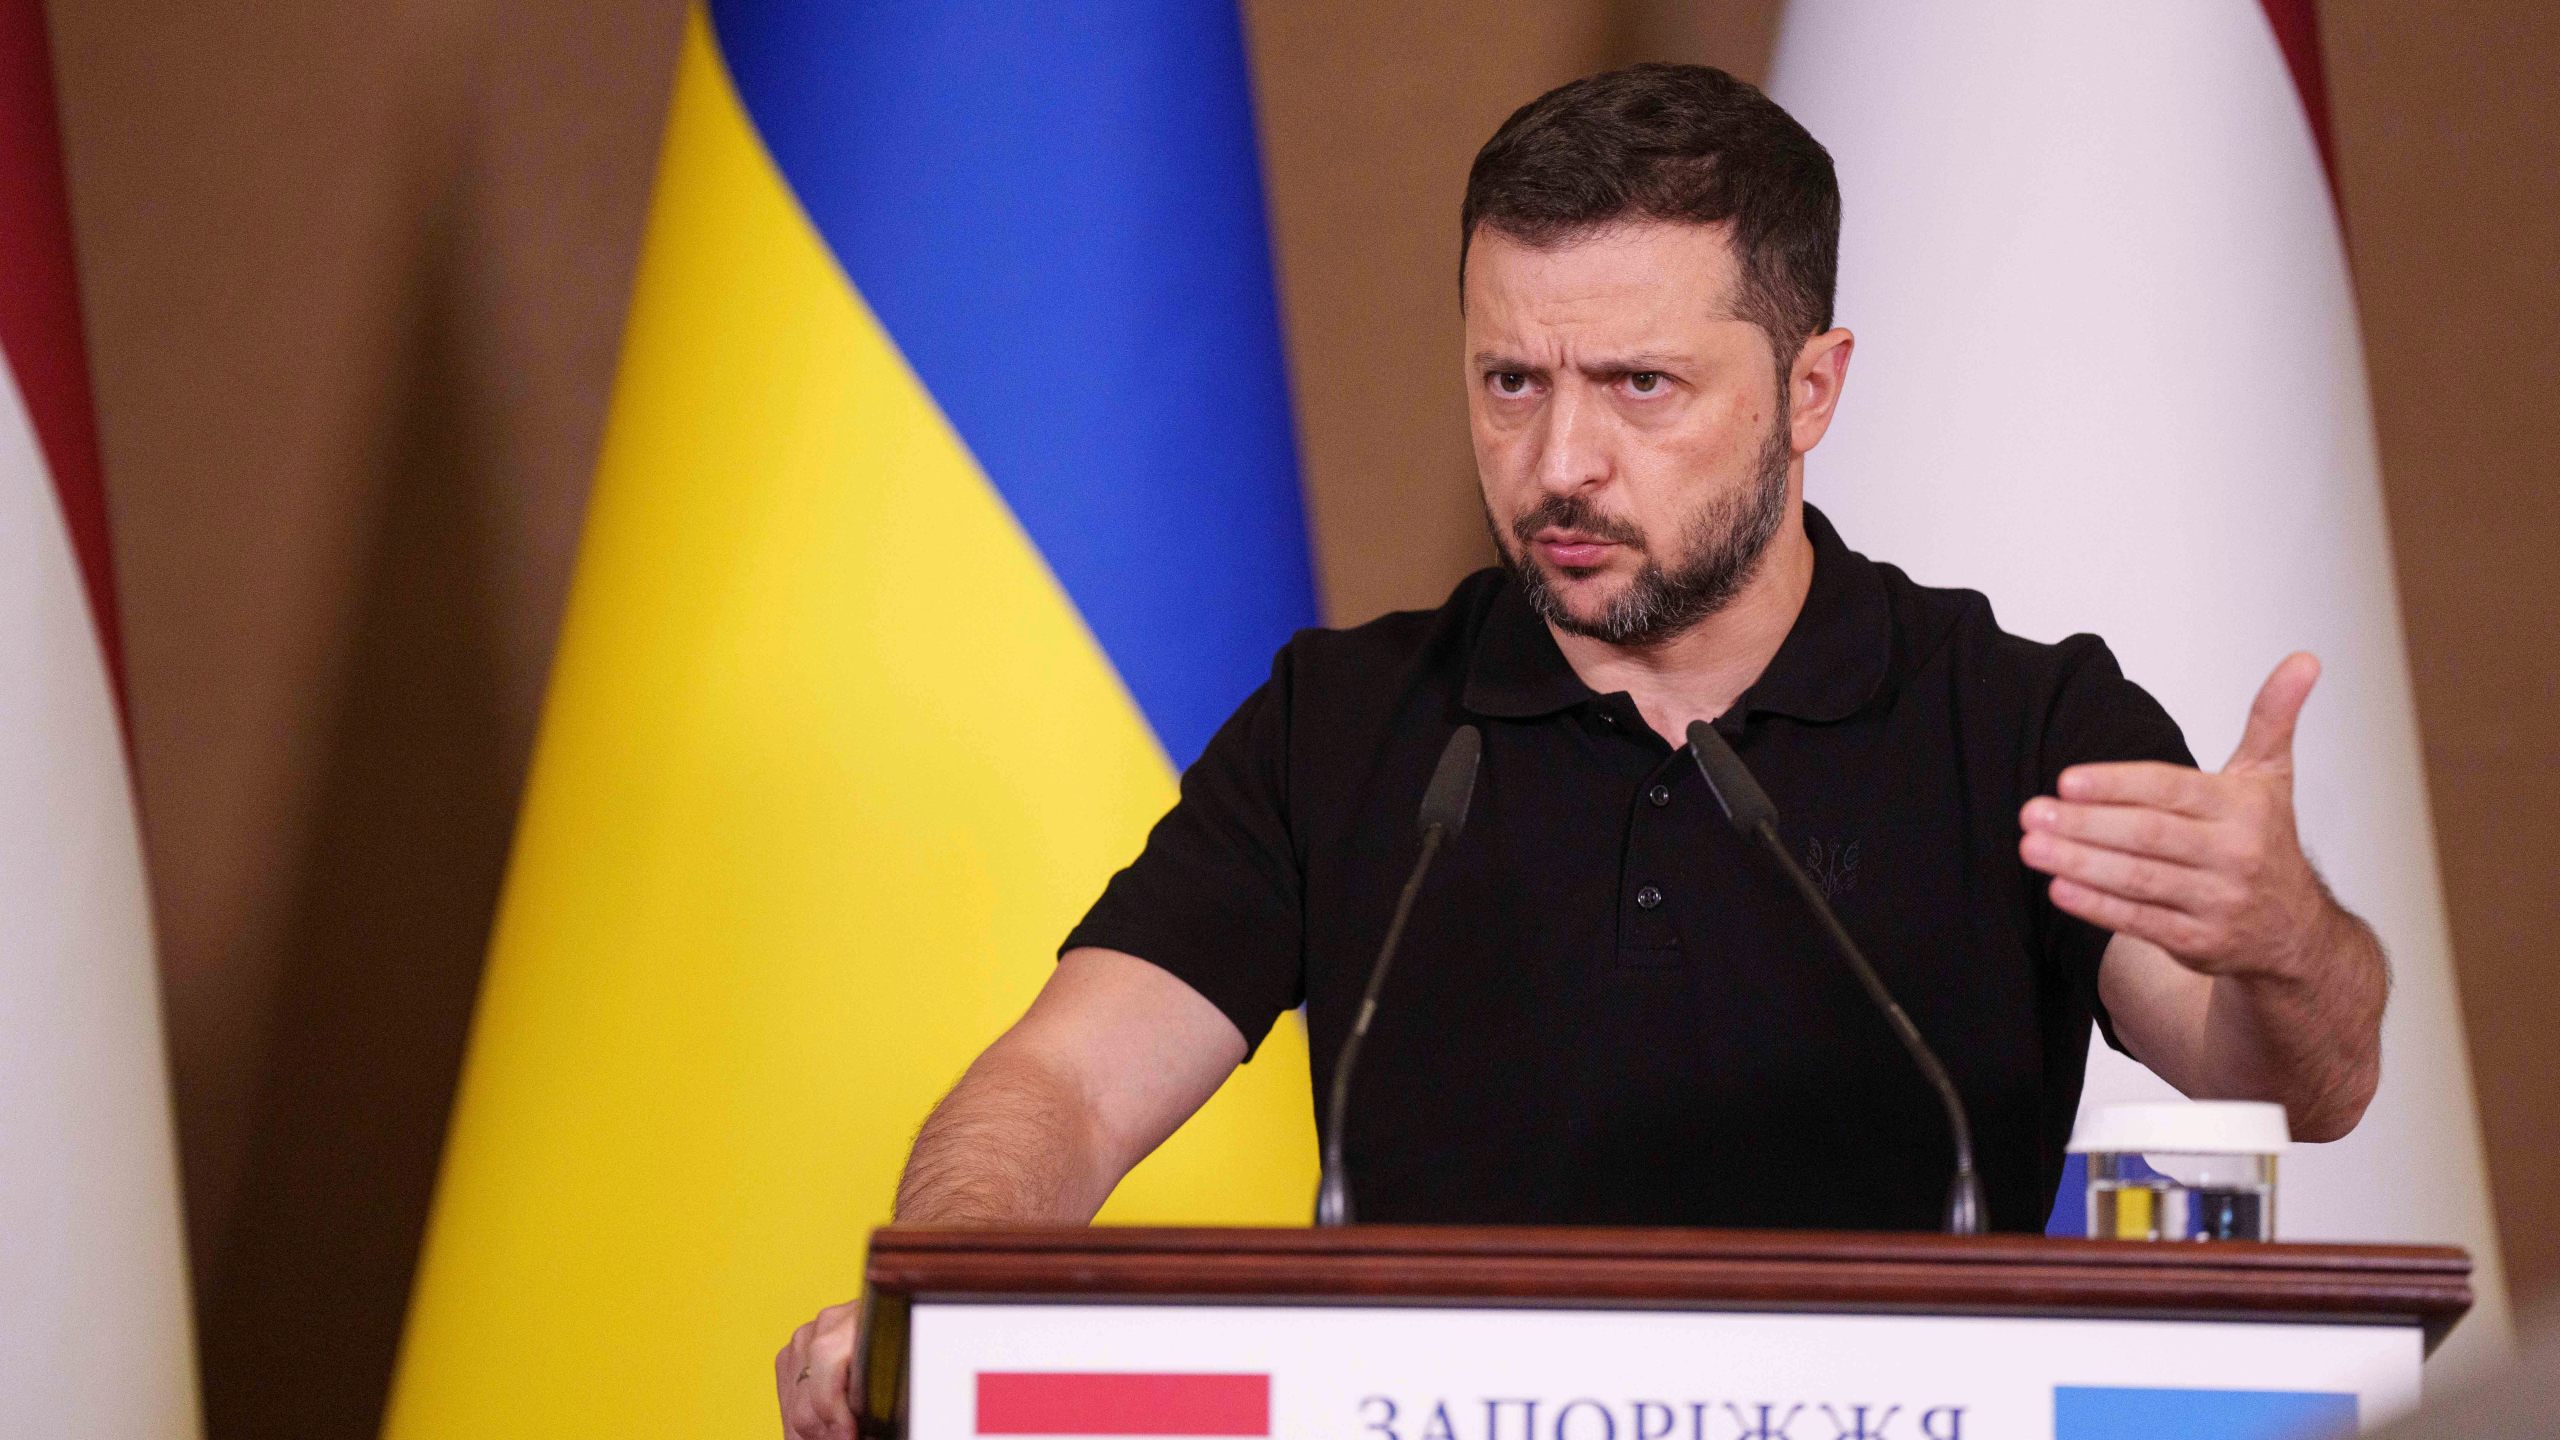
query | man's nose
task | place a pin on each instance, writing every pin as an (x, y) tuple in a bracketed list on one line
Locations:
[(1572, 446)]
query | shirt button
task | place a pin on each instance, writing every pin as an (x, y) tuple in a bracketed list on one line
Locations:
[(1659, 794), (1647, 898)]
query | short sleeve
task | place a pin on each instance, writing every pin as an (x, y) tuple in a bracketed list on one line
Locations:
[(2097, 716), (1214, 897)]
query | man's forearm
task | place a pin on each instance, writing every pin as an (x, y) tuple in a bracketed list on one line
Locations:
[(2308, 1037), (1012, 1144)]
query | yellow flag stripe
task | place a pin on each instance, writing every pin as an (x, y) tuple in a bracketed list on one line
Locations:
[(828, 766)]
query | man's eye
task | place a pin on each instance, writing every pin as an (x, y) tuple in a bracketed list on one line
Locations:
[(1645, 382), (1510, 382)]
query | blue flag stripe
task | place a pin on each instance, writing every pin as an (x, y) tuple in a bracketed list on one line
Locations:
[(2071, 1199), (1057, 213), (2128, 1413)]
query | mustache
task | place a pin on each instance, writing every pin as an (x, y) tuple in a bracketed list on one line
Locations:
[(1572, 512)]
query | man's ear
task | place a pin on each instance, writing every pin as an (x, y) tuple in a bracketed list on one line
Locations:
[(1814, 385)]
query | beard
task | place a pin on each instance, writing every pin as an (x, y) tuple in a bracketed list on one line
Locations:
[(1719, 550)]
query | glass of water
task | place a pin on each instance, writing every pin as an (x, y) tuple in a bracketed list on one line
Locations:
[(2185, 1170)]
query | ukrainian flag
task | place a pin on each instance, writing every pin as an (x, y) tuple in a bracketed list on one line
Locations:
[(947, 505)]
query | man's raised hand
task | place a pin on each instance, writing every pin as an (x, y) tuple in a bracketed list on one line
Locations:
[(2206, 866)]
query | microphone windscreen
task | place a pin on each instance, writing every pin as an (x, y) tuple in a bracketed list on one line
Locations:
[(1744, 802), (1453, 782)]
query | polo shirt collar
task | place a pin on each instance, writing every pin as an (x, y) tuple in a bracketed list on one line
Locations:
[(1832, 662)]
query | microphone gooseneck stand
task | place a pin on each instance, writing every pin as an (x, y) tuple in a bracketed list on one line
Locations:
[(1748, 807), (1444, 813)]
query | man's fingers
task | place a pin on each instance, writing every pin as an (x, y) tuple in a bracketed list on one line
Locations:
[(831, 1372), (2139, 829), (2172, 930), (787, 1364), (2134, 877), (2268, 742), (813, 1375), (799, 1422), (2141, 782)]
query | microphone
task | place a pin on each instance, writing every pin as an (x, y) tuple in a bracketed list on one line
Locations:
[(1444, 814), (1748, 807)]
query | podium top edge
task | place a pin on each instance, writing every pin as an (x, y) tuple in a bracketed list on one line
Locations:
[(2424, 1286), (1570, 1243)]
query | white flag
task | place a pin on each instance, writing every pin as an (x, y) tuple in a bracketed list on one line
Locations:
[(2108, 373), (95, 1338)]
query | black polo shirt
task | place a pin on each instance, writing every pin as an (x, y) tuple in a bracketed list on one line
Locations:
[(1609, 1009)]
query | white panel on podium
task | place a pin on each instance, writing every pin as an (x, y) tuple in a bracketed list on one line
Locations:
[(1414, 1372)]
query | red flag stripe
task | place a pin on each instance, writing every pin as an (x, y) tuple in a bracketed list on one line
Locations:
[(40, 337), (2297, 27), (1086, 1403)]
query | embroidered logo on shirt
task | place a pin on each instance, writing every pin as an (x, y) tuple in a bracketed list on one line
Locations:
[(1834, 867)]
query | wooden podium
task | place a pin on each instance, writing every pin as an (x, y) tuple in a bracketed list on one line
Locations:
[(1431, 1333)]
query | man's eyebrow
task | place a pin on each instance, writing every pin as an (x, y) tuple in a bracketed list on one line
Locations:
[(1635, 362), (1641, 360)]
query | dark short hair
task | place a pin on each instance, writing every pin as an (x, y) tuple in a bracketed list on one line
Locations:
[(1682, 143)]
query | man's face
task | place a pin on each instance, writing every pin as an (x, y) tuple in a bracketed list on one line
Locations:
[(1630, 432)]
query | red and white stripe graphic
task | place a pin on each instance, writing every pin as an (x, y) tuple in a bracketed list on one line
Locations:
[(1063, 1403), (94, 1332), (2108, 372)]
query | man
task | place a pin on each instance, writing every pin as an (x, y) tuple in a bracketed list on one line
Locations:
[(1609, 1010)]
